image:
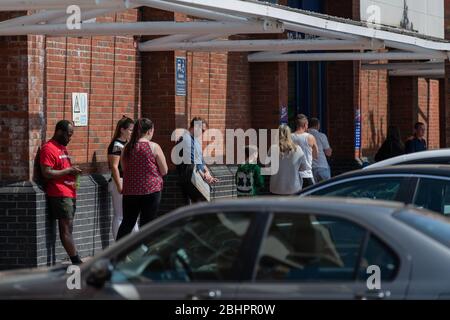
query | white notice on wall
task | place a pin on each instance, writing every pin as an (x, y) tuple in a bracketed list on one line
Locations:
[(80, 109)]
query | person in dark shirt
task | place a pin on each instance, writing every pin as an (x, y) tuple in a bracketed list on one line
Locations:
[(417, 142), (392, 146)]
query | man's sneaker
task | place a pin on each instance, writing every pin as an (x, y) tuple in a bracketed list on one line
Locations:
[(76, 260)]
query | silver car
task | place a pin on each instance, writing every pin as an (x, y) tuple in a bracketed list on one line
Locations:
[(271, 248), (438, 156)]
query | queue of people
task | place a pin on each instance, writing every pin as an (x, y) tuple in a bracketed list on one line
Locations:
[(302, 161), (393, 145), (137, 165), (303, 157)]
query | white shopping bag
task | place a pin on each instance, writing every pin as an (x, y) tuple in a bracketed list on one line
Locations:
[(201, 184)]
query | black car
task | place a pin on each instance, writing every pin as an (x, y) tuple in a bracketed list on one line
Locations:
[(425, 186)]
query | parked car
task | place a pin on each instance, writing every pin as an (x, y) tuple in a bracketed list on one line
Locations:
[(272, 248), (425, 186), (439, 156)]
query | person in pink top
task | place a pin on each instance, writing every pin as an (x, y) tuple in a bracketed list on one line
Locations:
[(144, 165)]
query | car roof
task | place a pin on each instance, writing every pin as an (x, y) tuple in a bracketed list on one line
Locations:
[(425, 169), (439, 170), (412, 156), (316, 204)]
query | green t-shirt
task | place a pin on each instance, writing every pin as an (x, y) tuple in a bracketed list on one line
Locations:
[(248, 179)]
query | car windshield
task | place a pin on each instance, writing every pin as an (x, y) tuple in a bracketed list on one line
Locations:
[(434, 226)]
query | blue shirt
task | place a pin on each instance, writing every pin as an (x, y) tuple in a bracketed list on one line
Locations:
[(196, 151)]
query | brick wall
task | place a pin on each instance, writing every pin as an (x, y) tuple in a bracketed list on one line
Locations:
[(28, 238), (415, 99), (268, 93), (442, 117), (108, 69), (428, 110), (14, 85), (343, 97), (402, 104), (158, 86), (374, 110), (445, 113), (341, 110)]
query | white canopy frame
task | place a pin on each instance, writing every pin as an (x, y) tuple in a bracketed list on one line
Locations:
[(339, 39)]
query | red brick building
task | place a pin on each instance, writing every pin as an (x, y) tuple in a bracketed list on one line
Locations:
[(40, 73)]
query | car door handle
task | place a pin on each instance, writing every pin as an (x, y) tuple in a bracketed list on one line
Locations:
[(373, 295), (206, 295)]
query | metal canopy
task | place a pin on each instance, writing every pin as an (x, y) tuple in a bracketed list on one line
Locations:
[(341, 39)]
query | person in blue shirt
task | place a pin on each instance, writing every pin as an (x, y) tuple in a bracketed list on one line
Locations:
[(417, 142), (197, 161)]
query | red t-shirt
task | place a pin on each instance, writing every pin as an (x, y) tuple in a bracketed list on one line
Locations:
[(56, 156)]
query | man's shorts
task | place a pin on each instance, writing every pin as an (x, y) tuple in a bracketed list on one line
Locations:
[(61, 207)]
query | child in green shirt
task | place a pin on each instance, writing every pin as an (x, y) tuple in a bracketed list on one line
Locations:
[(248, 176)]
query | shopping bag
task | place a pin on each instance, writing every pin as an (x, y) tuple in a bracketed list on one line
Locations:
[(201, 184)]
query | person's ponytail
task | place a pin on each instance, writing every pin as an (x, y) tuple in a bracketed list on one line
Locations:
[(141, 127)]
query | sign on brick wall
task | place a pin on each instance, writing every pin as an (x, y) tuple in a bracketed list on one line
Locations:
[(358, 129), (180, 76), (80, 109)]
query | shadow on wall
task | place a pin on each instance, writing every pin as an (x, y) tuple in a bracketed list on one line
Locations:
[(92, 223), (103, 209), (50, 240), (377, 136)]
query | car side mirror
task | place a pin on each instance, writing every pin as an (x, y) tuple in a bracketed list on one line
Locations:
[(99, 273)]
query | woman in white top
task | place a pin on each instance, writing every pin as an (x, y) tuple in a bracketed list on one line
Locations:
[(287, 180)]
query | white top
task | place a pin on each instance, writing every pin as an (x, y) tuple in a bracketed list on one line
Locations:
[(302, 141), (287, 180), (322, 144)]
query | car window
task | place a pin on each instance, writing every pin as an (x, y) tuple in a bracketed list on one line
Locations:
[(433, 194), (303, 247), (371, 188), (378, 254), (199, 248), (432, 225)]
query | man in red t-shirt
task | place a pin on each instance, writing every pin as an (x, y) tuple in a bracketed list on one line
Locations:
[(60, 183)]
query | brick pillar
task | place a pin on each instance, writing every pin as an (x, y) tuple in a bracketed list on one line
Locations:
[(442, 118), (158, 86), (343, 96), (268, 89), (428, 110), (403, 104), (446, 106), (415, 99), (14, 82), (268, 92)]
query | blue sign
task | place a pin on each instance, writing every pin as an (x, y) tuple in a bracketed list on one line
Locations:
[(180, 76), (284, 117), (358, 129)]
